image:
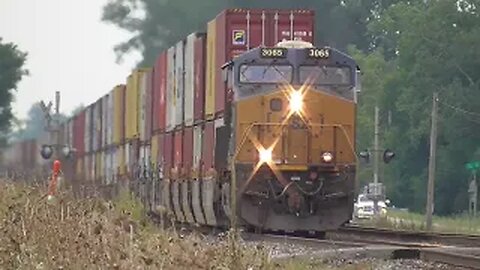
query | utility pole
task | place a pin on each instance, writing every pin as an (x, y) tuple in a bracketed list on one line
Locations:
[(431, 163), (376, 161), (376, 147)]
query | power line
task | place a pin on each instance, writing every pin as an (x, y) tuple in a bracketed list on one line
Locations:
[(458, 109)]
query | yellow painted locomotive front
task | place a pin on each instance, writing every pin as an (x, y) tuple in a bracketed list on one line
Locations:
[(268, 122), (293, 137)]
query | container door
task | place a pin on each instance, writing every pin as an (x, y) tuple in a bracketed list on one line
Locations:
[(189, 78), (208, 148), (292, 25), (197, 150), (187, 152), (179, 83), (199, 78), (171, 88)]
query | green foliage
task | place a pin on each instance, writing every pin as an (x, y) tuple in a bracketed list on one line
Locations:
[(34, 125), (157, 25), (432, 47), (406, 49), (12, 61)]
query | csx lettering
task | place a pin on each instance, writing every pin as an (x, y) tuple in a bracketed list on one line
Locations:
[(319, 53)]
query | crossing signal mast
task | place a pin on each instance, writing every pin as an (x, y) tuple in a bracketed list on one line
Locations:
[(376, 190), (53, 147)]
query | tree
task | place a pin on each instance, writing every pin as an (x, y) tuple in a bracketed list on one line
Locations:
[(11, 72), (157, 25), (34, 125), (432, 45)]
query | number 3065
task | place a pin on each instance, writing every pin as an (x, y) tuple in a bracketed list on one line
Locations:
[(319, 53)]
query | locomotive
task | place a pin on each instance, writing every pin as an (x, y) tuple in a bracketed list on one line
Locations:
[(258, 133), (289, 136)]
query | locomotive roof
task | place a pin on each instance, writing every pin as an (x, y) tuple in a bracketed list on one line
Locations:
[(295, 56)]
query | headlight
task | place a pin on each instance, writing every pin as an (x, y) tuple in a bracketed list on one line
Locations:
[(265, 155), (296, 101), (327, 157)]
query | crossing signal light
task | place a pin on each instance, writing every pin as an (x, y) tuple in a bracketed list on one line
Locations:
[(365, 155), (46, 152), (388, 155)]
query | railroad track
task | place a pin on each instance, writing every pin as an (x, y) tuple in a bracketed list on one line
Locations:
[(358, 242), (369, 234), (367, 242)]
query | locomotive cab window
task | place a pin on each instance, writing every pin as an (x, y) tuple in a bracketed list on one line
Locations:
[(266, 73), (325, 75)]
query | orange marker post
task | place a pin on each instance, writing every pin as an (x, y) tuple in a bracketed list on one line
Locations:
[(52, 187)]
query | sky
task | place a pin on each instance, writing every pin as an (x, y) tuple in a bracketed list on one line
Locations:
[(69, 50)]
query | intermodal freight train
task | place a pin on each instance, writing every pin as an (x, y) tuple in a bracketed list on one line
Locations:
[(248, 120)]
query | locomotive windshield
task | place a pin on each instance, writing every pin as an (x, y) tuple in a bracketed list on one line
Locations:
[(325, 75), (266, 73)]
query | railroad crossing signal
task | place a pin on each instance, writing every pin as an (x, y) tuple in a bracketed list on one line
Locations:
[(388, 155), (47, 151)]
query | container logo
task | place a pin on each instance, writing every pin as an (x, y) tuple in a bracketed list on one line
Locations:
[(238, 37)]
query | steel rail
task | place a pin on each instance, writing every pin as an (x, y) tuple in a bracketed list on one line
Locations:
[(402, 236)]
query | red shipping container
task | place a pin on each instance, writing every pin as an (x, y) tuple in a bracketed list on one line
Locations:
[(167, 153), (238, 30), (149, 105), (303, 25), (178, 151), (187, 151), (159, 93), (200, 65), (208, 148)]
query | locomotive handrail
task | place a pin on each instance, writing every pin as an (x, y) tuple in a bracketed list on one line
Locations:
[(233, 189), (251, 125)]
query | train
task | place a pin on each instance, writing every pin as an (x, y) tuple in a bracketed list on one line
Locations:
[(248, 123)]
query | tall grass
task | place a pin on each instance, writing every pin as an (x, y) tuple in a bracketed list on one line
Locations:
[(94, 234)]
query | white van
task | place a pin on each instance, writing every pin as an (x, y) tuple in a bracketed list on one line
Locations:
[(364, 207)]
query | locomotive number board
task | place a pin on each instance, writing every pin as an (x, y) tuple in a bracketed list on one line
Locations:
[(321, 53), (273, 53)]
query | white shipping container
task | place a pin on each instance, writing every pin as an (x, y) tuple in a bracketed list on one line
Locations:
[(189, 78), (107, 166), (110, 119), (88, 128), (170, 101), (114, 165), (197, 150), (142, 105), (180, 85)]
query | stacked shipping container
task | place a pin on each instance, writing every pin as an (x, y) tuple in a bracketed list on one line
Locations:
[(168, 115)]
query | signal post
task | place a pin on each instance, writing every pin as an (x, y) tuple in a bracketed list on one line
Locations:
[(473, 167), (376, 190), (54, 149)]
